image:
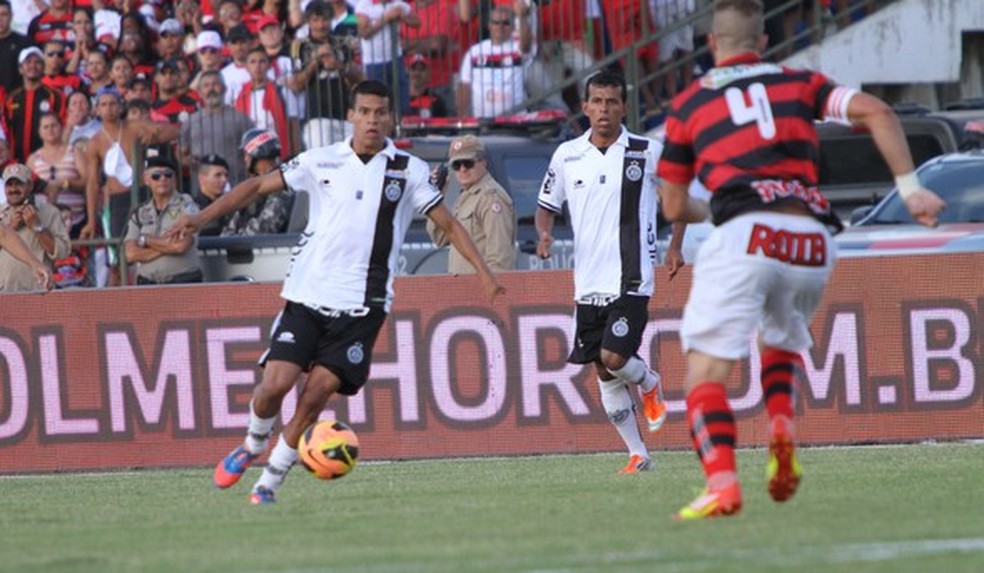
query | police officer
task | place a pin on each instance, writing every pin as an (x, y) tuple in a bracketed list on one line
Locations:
[(483, 208), (160, 260)]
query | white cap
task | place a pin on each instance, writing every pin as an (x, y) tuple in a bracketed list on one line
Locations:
[(209, 39), (28, 52), (171, 26)]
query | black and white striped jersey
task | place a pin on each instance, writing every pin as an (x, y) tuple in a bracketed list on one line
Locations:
[(346, 258), (612, 201)]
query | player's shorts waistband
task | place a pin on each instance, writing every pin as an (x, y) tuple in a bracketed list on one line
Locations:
[(598, 299), (337, 312)]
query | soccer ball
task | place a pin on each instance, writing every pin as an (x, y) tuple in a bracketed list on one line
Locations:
[(328, 449)]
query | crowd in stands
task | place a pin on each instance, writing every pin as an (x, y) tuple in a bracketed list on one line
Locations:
[(90, 88)]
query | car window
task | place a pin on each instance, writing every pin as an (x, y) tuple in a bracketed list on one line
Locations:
[(525, 174), (961, 185), (856, 160)]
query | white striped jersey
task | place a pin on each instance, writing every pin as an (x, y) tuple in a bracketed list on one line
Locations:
[(612, 202), (346, 258)]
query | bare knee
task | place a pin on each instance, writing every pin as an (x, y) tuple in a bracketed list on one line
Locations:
[(612, 360), (279, 378)]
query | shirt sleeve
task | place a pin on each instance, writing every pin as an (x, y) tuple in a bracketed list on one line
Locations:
[(132, 227), (423, 195), (676, 162), (552, 195), (297, 176), (831, 100)]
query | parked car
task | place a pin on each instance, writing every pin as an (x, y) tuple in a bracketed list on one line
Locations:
[(887, 228)]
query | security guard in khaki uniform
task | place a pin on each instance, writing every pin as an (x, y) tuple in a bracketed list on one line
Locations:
[(483, 208), (161, 260)]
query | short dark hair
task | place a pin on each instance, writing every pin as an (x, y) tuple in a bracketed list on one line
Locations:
[(371, 87), (607, 78), (318, 8), (7, 4)]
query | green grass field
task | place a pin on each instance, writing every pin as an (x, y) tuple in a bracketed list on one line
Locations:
[(907, 508)]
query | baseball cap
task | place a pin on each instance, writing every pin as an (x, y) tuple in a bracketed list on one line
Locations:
[(267, 21), (239, 33), (171, 27), (160, 161), (28, 52), (416, 59), (169, 64), (209, 39), (17, 171), (213, 159), (138, 79), (465, 147)]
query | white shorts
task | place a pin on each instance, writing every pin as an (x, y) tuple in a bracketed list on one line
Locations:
[(758, 272)]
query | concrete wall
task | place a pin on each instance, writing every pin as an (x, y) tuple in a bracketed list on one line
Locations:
[(909, 42)]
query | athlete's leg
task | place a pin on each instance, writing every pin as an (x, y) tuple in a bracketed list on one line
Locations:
[(620, 410)]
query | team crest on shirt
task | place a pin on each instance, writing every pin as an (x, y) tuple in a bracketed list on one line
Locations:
[(290, 165), (393, 191), (621, 327), (45, 106), (549, 182), (633, 171), (355, 353)]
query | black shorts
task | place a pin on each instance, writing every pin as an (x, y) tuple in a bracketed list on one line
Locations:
[(338, 341), (617, 327)]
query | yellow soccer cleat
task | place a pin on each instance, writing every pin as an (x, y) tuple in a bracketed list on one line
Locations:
[(713, 503), (783, 469)]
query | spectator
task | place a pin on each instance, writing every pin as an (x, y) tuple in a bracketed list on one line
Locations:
[(213, 181), (240, 42), (136, 41), (170, 44), (79, 123), (11, 45), (71, 270), (121, 72), (424, 102), (215, 129), (162, 260), (626, 22), (96, 71), (55, 75), (56, 164), (382, 58), (24, 106), (230, 16), (24, 11), (139, 89), (493, 70), (110, 154), (264, 103), (271, 36), (436, 39), (171, 102), (39, 227), (675, 46), (80, 41), (271, 213), (53, 23), (209, 55), (483, 208)]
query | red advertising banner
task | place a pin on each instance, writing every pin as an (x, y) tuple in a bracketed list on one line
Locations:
[(161, 376)]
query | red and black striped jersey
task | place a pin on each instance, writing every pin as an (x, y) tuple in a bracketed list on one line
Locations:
[(22, 112), (178, 108), (66, 83), (746, 130), (47, 26)]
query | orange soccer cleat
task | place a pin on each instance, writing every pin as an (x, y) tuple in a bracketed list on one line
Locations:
[(783, 469), (713, 503), (636, 465)]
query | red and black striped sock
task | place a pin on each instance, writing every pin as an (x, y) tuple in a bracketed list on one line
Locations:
[(779, 369), (714, 432)]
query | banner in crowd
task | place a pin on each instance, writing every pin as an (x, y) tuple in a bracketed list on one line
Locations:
[(162, 376)]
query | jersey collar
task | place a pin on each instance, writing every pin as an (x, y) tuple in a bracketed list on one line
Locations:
[(746, 58), (623, 139), (389, 151)]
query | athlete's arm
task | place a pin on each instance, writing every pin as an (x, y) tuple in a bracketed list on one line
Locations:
[(674, 253), (462, 242), (886, 130), (679, 206), (241, 195), (544, 221)]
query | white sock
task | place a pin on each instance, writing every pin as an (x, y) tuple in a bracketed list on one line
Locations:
[(282, 458), (620, 409), (258, 433), (636, 372)]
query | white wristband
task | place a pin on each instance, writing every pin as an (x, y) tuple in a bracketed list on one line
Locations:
[(908, 184)]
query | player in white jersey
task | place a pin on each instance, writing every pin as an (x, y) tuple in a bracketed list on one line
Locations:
[(339, 287), (606, 178)]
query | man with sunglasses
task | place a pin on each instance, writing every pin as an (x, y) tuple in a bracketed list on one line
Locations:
[(607, 178), (483, 208), (162, 260)]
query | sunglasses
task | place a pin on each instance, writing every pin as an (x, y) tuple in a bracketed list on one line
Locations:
[(158, 175), (55, 54), (462, 164), (501, 22)]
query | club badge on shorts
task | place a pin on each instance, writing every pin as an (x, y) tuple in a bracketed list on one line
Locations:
[(355, 353), (621, 327), (633, 171)]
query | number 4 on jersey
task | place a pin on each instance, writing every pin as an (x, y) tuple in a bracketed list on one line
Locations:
[(755, 107)]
